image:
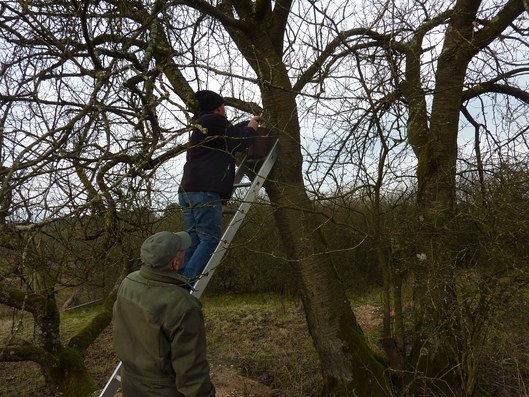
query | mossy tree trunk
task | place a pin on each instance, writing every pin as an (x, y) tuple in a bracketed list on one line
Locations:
[(63, 366), (347, 362)]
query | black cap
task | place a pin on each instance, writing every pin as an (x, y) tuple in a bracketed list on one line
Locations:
[(208, 100)]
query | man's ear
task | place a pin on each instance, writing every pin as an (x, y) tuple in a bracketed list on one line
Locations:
[(220, 110), (176, 264)]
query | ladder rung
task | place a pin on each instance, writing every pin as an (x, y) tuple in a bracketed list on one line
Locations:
[(243, 184), (254, 161), (229, 211)]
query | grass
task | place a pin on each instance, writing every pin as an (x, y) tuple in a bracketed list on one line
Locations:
[(265, 338)]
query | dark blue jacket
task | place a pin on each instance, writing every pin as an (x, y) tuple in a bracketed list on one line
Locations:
[(210, 162)]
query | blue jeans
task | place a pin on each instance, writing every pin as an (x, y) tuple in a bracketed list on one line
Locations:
[(203, 221)]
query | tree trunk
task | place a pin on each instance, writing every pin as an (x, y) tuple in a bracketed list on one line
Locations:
[(348, 364), (69, 378), (435, 298)]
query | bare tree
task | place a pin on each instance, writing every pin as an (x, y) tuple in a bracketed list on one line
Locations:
[(475, 53), (97, 97), (80, 121)]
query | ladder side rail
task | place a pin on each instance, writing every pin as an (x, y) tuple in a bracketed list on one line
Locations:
[(239, 174), (113, 383), (222, 247)]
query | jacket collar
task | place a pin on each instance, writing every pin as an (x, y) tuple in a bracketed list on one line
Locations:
[(170, 277)]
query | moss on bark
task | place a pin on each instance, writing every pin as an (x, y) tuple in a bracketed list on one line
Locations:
[(70, 377)]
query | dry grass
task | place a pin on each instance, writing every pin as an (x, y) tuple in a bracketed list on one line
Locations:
[(264, 339)]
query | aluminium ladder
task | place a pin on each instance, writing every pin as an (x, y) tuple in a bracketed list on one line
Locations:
[(257, 180)]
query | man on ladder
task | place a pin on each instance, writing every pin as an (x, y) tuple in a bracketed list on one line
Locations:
[(208, 177)]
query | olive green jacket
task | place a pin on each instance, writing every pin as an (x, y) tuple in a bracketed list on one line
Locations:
[(160, 338)]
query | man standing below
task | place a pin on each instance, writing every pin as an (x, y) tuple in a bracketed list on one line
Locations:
[(159, 333), (208, 178)]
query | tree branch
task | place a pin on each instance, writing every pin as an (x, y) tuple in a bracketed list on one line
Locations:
[(498, 88), (89, 333), (219, 14), (497, 24), (278, 24), (340, 39), (493, 86), (28, 352), (22, 300)]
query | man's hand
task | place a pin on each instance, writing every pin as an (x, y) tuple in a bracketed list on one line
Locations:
[(255, 121)]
